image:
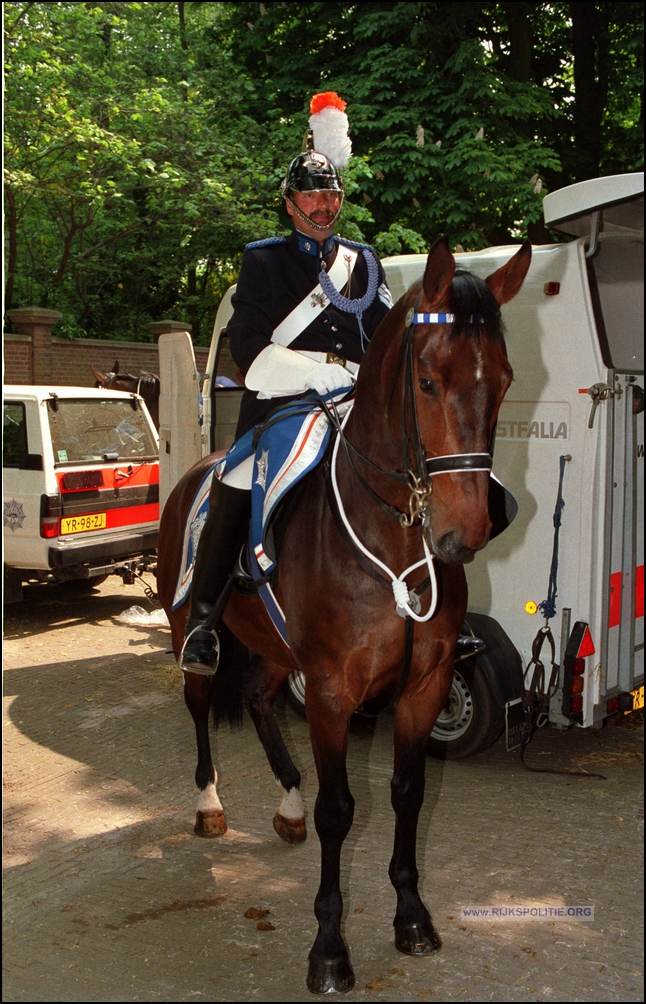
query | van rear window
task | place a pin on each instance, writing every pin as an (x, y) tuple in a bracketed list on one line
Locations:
[(94, 430), (14, 435)]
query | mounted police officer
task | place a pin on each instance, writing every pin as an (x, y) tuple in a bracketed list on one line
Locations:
[(305, 308)]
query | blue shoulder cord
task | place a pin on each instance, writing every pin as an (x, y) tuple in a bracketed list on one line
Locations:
[(357, 306)]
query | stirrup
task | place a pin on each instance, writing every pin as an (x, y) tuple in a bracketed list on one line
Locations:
[(200, 651), (466, 646)]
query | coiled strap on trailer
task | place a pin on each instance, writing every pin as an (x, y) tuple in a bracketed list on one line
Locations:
[(537, 687)]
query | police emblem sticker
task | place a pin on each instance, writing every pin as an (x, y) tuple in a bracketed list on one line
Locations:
[(262, 465), (14, 515)]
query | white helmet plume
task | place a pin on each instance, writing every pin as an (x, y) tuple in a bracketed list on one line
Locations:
[(329, 124)]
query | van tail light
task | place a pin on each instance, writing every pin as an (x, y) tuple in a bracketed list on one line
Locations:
[(579, 647), (50, 514)]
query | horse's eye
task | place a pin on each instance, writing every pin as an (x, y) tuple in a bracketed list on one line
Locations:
[(427, 386)]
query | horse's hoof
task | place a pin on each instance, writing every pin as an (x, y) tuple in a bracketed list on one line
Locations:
[(330, 976), (417, 939), (210, 823), (293, 831)]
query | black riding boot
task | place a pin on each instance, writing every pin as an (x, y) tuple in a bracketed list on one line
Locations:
[(222, 536), (467, 645)]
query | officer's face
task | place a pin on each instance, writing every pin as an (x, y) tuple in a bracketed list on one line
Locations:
[(321, 207)]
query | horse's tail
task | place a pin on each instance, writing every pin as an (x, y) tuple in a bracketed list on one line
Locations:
[(227, 695)]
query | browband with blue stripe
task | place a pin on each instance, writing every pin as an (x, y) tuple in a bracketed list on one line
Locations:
[(443, 319)]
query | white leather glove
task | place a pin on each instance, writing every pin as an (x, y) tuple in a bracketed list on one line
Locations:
[(327, 377), (278, 372)]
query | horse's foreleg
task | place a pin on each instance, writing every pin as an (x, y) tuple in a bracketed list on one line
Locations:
[(414, 719), (210, 820), (330, 970), (260, 691)]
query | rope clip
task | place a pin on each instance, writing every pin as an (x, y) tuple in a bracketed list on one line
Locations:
[(418, 501)]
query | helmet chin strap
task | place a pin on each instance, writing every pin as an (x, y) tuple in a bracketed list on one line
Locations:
[(311, 223)]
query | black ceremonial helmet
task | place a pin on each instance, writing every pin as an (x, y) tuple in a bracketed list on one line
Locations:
[(311, 172)]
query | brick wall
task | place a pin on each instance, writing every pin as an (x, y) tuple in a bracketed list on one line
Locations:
[(71, 360), (17, 359)]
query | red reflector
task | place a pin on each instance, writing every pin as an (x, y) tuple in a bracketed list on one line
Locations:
[(587, 645), (82, 479), (639, 591), (576, 704), (612, 705), (578, 667), (49, 527), (577, 685), (551, 288)]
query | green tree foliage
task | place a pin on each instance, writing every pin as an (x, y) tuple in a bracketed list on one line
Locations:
[(129, 196), (145, 141), (465, 113)]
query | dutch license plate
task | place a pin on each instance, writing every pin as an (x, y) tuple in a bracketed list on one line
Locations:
[(81, 524), (638, 699)]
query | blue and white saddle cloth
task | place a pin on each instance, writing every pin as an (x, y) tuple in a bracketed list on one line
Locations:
[(291, 445)]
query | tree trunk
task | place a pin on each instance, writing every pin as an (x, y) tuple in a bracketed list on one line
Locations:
[(588, 89), (12, 221), (192, 306)]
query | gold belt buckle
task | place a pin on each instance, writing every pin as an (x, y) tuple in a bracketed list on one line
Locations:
[(331, 357)]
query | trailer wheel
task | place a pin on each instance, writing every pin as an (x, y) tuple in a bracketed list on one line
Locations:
[(294, 690), (471, 720)]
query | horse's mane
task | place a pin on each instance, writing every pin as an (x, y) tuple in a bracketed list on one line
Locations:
[(471, 296), (149, 381), (146, 381)]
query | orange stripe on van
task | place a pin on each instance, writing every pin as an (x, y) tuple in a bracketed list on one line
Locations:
[(132, 515)]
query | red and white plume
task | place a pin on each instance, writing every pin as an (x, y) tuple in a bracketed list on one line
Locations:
[(329, 125)]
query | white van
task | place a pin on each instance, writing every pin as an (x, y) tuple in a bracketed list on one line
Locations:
[(81, 485), (575, 341)]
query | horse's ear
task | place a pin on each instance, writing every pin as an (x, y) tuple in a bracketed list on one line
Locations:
[(99, 377), (439, 272), (115, 368), (507, 280)]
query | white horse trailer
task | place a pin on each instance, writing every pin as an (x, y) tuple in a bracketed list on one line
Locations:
[(575, 341), (576, 346)]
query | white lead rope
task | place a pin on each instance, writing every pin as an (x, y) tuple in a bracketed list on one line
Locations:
[(399, 587)]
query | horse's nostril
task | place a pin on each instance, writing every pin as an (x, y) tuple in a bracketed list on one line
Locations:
[(449, 543)]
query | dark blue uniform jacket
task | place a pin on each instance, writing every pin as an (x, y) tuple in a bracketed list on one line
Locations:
[(274, 278)]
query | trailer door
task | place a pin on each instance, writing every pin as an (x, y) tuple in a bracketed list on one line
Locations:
[(617, 290)]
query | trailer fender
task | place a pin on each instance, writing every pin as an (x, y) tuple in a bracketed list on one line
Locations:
[(500, 663)]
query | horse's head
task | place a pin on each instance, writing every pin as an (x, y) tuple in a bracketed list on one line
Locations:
[(105, 379), (444, 379)]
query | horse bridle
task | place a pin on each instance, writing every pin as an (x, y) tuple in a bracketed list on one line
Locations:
[(109, 379), (418, 469)]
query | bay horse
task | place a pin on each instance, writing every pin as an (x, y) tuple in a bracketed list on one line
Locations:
[(412, 479), (146, 384)]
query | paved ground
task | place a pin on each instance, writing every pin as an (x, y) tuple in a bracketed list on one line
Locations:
[(110, 897)]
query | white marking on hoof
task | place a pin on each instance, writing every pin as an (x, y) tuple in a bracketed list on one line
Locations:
[(208, 798), (291, 805)]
